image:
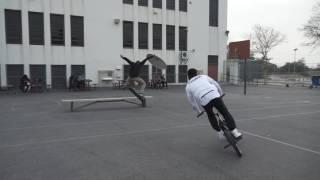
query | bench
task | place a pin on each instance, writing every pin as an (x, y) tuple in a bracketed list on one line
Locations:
[(7, 87), (91, 101), (37, 88)]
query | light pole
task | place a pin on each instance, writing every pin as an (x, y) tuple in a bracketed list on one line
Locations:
[(294, 62)]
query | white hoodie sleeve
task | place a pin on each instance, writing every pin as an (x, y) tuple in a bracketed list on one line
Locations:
[(193, 102), (212, 81)]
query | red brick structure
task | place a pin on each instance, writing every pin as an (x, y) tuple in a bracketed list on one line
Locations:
[(239, 50)]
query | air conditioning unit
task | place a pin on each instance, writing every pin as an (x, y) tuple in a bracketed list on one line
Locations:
[(184, 55), (116, 21)]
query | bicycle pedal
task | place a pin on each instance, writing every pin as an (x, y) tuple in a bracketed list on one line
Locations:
[(238, 138)]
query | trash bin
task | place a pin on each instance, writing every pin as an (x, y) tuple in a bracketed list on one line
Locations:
[(315, 80)]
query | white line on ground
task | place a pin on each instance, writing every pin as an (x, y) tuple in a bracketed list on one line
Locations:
[(124, 119), (281, 115), (66, 124), (97, 136), (277, 107), (149, 131), (281, 142)]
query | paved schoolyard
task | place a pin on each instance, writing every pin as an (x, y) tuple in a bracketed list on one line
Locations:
[(41, 139)]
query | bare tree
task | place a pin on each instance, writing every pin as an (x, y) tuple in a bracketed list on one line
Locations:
[(312, 28), (263, 40)]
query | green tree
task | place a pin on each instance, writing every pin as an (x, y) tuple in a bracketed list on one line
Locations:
[(295, 67)]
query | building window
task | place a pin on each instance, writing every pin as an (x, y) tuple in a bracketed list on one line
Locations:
[(13, 26), (127, 34), (14, 74), (157, 4), (143, 3), (38, 74), (144, 72), (183, 38), (213, 12), (143, 35), (57, 29), (171, 73), (36, 28), (58, 76), (183, 5), (171, 4), (78, 70), (157, 36), (170, 37), (127, 1), (77, 32), (183, 77)]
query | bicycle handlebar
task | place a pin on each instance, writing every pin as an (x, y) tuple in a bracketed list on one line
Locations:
[(200, 114)]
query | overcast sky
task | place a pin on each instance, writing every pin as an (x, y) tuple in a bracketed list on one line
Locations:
[(286, 16)]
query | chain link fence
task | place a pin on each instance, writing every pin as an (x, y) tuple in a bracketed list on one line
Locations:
[(259, 73)]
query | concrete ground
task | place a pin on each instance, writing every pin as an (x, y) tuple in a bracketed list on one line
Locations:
[(41, 139)]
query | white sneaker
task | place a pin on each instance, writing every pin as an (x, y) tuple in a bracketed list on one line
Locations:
[(221, 136), (236, 133)]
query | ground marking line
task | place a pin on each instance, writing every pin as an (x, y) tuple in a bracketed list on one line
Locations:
[(99, 135), (61, 125), (177, 113), (281, 142), (65, 124), (146, 131), (279, 102), (276, 107), (276, 116)]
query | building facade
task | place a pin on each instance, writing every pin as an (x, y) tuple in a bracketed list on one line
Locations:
[(53, 39)]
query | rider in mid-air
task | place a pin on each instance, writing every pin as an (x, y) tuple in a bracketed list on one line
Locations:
[(134, 72), (204, 93)]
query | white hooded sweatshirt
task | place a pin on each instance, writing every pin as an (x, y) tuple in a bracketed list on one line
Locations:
[(201, 90)]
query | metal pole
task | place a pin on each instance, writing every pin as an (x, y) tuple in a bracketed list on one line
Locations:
[(245, 77), (294, 62)]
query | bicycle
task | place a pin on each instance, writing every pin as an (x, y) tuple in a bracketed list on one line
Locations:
[(232, 141)]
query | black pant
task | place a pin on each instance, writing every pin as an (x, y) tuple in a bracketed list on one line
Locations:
[(221, 107)]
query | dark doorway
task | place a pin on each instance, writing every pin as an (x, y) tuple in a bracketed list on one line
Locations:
[(78, 70), (58, 76), (183, 73), (213, 66), (14, 73), (144, 72), (171, 73), (38, 74)]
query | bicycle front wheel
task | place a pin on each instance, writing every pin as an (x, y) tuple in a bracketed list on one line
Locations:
[(233, 142), (238, 151)]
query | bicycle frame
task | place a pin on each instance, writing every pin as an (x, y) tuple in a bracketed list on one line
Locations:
[(232, 141)]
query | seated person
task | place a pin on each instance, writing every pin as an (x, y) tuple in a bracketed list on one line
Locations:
[(25, 84), (72, 82), (81, 82), (163, 81)]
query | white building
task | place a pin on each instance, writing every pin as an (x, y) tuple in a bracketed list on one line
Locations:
[(52, 39)]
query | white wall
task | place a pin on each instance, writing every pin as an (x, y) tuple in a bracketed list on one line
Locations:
[(103, 38)]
